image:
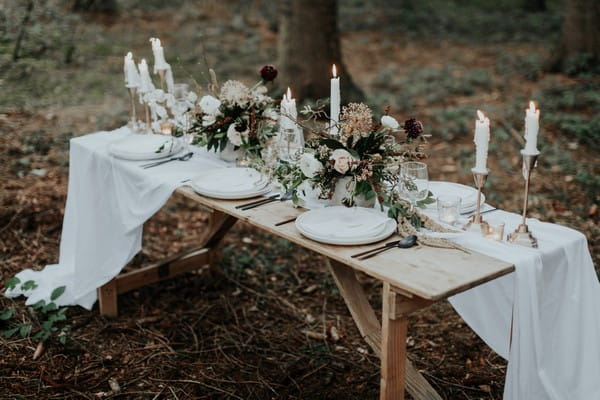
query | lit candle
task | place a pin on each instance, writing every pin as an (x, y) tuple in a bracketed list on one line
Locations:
[(334, 102), (145, 80), (289, 114), (166, 128), (132, 77), (532, 126), (159, 55), (482, 138)]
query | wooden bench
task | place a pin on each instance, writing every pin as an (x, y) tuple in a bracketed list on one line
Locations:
[(412, 279)]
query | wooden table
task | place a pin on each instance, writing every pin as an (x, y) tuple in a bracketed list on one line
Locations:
[(412, 279)]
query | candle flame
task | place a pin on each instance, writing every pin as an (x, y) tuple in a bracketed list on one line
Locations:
[(480, 115), (289, 93), (334, 70), (129, 55), (531, 106)]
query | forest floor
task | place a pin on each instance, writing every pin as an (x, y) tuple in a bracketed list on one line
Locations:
[(239, 330)]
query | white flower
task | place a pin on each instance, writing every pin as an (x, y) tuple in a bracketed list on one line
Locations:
[(342, 160), (210, 105), (235, 93), (209, 119), (389, 122), (236, 137), (191, 97), (309, 165)]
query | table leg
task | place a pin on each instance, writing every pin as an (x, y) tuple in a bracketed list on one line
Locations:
[(370, 328), (168, 268), (393, 349)]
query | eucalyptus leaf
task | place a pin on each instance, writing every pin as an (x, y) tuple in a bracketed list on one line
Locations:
[(5, 315), (10, 332), (12, 283)]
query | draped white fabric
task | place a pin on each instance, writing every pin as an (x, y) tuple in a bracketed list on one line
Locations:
[(108, 201), (552, 300)]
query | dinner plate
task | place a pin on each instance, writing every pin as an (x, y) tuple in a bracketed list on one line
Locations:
[(467, 194), (230, 183), (139, 147), (345, 226)]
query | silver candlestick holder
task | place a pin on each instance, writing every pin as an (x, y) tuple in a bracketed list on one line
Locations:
[(476, 222), (521, 235)]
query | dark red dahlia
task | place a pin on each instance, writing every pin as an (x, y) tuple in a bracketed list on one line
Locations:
[(413, 128), (268, 73)]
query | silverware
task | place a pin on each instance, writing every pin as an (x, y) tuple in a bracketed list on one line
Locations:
[(287, 221), (405, 243), (285, 197), (184, 157), (258, 201)]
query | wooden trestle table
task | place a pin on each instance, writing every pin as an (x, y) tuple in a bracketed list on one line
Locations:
[(412, 279)]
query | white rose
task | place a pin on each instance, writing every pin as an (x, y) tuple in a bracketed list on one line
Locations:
[(343, 160), (210, 105), (309, 165), (389, 122), (234, 136)]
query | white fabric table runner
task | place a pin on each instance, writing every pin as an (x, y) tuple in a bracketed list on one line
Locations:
[(552, 299)]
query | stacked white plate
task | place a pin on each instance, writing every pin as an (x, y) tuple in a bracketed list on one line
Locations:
[(230, 183), (345, 226), (467, 194), (144, 147)]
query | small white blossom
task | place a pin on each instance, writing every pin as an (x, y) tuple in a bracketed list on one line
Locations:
[(210, 105), (236, 137), (309, 165), (389, 122)]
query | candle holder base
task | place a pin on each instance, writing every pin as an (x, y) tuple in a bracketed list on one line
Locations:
[(523, 237), (475, 224)]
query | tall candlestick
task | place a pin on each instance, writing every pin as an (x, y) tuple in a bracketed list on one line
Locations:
[(482, 138), (289, 114), (159, 55), (132, 77), (334, 103), (145, 80), (532, 126)]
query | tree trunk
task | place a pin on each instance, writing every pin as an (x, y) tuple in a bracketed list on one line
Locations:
[(308, 46), (581, 32)]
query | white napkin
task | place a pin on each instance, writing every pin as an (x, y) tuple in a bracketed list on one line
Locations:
[(229, 180), (345, 223), (139, 145)]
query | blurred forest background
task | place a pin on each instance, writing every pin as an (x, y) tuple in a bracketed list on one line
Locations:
[(239, 331)]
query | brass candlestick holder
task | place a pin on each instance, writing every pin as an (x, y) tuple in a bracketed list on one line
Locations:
[(522, 235), (476, 223), (161, 74), (133, 123), (148, 121)]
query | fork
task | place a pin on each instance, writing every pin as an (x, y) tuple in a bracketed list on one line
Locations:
[(184, 157)]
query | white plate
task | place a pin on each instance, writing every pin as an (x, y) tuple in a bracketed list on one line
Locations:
[(230, 183), (309, 222), (468, 195), (139, 147)]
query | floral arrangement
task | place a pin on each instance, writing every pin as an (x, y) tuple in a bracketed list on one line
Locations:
[(237, 115), (363, 159)]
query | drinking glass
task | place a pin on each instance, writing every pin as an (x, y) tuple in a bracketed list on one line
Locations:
[(448, 208), (180, 90), (291, 144), (414, 181)]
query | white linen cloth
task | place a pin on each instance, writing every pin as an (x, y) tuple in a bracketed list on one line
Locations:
[(108, 201), (552, 301)]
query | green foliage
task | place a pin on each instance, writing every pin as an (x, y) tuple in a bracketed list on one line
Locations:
[(50, 320)]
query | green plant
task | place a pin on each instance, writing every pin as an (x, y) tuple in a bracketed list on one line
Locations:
[(49, 319)]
